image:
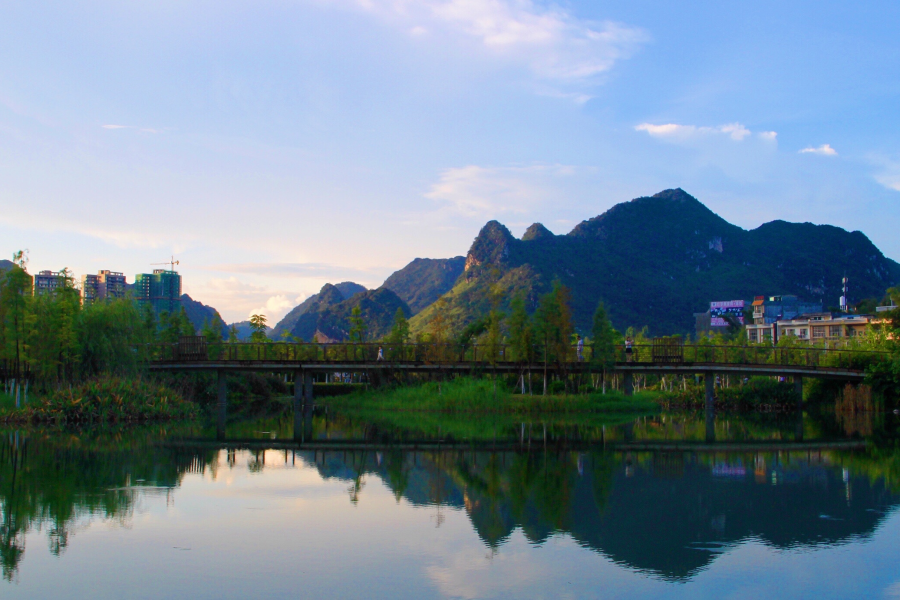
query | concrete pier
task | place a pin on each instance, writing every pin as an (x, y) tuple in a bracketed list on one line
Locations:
[(710, 381), (222, 406)]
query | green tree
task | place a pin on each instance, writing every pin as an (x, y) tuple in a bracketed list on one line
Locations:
[(358, 327), (258, 323), (553, 325), (15, 298), (603, 342)]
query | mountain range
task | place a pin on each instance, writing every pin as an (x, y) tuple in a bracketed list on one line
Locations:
[(653, 261), (657, 260)]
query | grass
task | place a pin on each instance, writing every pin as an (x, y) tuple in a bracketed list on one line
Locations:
[(467, 395), (104, 399)]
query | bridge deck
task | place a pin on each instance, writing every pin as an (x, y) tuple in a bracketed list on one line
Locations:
[(686, 368)]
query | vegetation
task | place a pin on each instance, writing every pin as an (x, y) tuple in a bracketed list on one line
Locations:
[(468, 395), (105, 399)]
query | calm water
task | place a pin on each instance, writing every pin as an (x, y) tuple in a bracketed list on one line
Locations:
[(530, 510)]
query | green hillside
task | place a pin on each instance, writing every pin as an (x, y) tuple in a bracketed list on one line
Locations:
[(424, 280), (657, 260), (289, 322)]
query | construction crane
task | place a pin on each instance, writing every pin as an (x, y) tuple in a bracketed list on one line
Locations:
[(171, 263)]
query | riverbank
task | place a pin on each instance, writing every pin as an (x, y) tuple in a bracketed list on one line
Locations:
[(106, 399)]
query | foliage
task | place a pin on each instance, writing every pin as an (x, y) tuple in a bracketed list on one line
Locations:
[(107, 398), (482, 395), (259, 326)]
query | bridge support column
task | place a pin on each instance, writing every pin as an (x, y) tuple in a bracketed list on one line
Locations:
[(709, 381), (222, 406), (628, 383), (298, 405), (307, 388), (798, 387)]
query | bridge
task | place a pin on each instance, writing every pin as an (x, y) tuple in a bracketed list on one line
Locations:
[(664, 356)]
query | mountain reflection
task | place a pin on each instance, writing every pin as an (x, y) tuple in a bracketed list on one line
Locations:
[(668, 514), (665, 513)]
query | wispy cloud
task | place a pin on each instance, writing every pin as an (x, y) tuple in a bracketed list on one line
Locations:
[(824, 150), (335, 273), (144, 129), (552, 42), (889, 172), (485, 191), (676, 132)]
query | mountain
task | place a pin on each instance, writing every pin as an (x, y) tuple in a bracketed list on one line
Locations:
[(199, 314), (377, 309), (424, 280), (657, 260), (6, 264), (244, 331), (288, 323), (326, 315)]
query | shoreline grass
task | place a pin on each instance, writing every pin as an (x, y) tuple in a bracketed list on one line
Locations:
[(465, 395), (106, 399)]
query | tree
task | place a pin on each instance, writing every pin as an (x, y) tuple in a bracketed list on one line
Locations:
[(553, 323), (604, 337), (15, 295), (358, 327), (521, 330), (259, 326)]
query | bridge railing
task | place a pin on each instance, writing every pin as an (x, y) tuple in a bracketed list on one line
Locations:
[(486, 355)]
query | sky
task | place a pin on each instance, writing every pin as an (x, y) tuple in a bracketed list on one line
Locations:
[(276, 145)]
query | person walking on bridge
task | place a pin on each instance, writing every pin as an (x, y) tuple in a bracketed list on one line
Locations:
[(580, 349), (628, 349), (380, 354)]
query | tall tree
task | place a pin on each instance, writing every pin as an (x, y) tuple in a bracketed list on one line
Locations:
[(258, 324), (358, 327), (603, 342)]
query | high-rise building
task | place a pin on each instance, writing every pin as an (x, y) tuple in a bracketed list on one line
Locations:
[(105, 284), (48, 281), (90, 288), (161, 290)]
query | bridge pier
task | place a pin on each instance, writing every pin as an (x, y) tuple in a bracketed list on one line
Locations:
[(222, 406), (798, 387), (709, 381), (628, 383), (307, 388)]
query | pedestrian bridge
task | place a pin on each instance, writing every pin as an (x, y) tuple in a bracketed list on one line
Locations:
[(304, 360), (194, 354)]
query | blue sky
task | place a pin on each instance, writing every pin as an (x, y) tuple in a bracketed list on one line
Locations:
[(273, 146)]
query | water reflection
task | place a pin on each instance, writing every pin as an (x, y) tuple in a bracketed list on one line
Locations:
[(667, 512)]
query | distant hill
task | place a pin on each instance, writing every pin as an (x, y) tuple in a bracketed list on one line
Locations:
[(424, 280), (199, 314), (327, 314), (377, 309), (288, 323), (6, 264), (244, 330), (657, 260)]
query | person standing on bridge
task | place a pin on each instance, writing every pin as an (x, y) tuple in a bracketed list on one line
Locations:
[(628, 349), (380, 354), (580, 349)]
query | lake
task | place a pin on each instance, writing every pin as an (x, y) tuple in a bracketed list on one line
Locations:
[(775, 506)]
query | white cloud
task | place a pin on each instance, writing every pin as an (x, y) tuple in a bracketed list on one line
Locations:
[(676, 132), (769, 136), (490, 191), (274, 308), (550, 41), (824, 150), (889, 175)]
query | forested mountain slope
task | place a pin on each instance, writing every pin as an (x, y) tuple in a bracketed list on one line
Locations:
[(657, 260)]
